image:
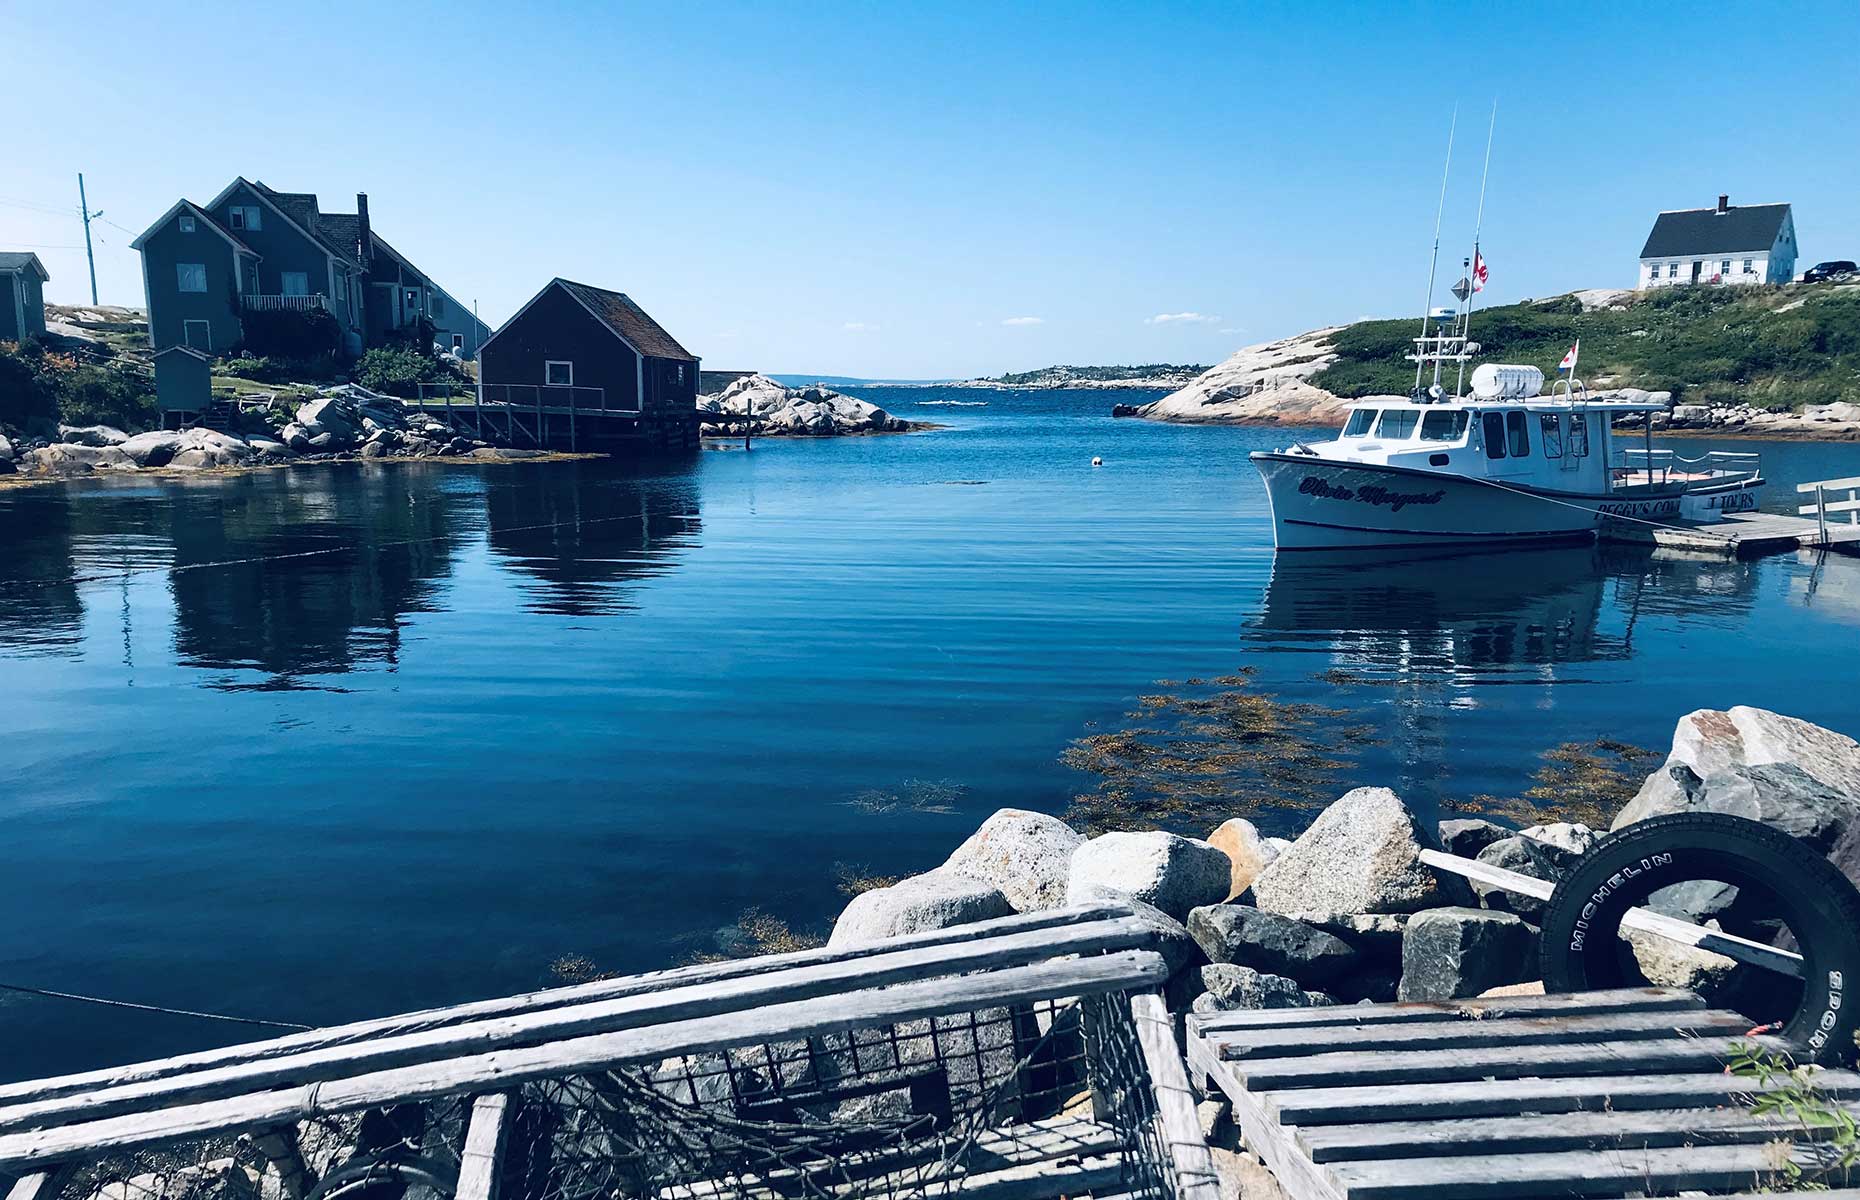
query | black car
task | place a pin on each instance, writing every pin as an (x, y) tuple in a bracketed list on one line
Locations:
[(1840, 268)]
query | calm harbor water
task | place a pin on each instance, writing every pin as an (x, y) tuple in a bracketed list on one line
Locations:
[(316, 744)]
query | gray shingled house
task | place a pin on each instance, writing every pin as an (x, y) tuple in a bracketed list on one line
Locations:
[(22, 296), (1726, 244), (207, 267)]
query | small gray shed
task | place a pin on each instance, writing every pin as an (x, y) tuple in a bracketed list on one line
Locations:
[(183, 381), (22, 296)]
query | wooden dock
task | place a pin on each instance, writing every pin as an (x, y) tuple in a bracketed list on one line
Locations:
[(1595, 1094), (1747, 535)]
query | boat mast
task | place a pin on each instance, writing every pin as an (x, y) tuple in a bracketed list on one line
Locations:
[(1433, 262), (1478, 224)]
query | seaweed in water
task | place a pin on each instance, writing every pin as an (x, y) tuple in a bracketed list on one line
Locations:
[(914, 795), (1207, 750), (853, 879), (1586, 782)]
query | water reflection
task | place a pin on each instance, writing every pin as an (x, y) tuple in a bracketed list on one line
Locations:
[(40, 612), (583, 532), (308, 573)]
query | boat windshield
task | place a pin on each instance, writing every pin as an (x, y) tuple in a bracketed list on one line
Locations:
[(1360, 421), (1397, 424), (1443, 425)]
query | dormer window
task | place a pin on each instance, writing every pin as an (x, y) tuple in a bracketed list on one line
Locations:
[(244, 216), (187, 222), (558, 374)]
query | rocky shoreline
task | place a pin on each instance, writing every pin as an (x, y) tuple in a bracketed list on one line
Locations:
[(345, 423), (813, 411), (1349, 913)]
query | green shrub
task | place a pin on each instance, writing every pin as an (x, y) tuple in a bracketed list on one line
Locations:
[(292, 334), (39, 385), (400, 370), (322, 368)]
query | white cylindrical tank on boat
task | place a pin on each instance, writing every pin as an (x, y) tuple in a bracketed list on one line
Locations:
[(1504, 381)]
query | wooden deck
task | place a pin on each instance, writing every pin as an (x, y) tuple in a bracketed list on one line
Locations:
[(1596, 1094), (1738, 535)]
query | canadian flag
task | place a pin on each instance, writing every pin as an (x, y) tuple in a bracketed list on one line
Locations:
[(1569, 360), (1479, 272)]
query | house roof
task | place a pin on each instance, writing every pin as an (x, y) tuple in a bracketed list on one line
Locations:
[(629, 320), (326, 228), (22, 260), (1741, 227)]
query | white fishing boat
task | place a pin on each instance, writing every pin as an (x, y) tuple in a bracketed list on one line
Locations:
[(1505, 463)]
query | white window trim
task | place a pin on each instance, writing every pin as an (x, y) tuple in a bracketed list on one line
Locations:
[(187, 222), (284, 287), (208, 348), (180, 284), (558, 362)]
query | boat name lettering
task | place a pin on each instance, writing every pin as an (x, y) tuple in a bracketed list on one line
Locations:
[(1378, 497), (1639, 508)]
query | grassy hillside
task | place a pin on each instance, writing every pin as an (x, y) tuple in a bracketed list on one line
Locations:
[(1773, 347)]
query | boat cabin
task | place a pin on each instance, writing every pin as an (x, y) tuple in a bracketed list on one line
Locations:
[(1559, 445)]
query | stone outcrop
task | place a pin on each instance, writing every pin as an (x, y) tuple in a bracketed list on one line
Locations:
[(1227, 987), (1261, 383), (1173, 873), (1466, 837), (1781, 795), (62, 461), (1027, 855), (1710, 741), (808, 412), (1526, 856), (91, 435), (1268, 942), (934, 900), (1452, 953), (1361, 855)]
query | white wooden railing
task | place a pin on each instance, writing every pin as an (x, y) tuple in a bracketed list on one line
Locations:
[(1713, 464), (259, 303), (1823, 506)]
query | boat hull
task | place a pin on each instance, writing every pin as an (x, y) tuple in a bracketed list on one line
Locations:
[(1323, 504)]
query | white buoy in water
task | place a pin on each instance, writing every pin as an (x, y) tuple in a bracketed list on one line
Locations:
[(1096, 461)]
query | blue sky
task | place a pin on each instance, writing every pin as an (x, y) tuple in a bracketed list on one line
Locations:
[(933, 190)]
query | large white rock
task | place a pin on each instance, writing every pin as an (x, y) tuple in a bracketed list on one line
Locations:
[(153, 449), (91, 435), (64, 459), (1361, 855), (1264, 382), (1173, 873), (934, 900), (1028, 855)]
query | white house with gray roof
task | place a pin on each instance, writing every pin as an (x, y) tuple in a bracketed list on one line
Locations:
[(1726, 244)]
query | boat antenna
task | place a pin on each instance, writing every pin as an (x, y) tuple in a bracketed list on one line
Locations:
[(1434, 261), (1478, 224)]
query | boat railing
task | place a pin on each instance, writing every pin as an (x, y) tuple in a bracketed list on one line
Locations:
[(1666, 465)]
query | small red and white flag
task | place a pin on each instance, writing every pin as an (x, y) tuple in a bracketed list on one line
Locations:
[(1479, 272), (1569, 360)]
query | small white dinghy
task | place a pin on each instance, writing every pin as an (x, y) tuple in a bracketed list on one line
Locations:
[(1504, 464)]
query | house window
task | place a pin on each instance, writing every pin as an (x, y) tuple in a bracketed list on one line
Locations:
[(439, 309), (244, 216), (342, 286), (1724, 268), (458, 342), (559, 374), (187, 222), (1518, 436), (1748, 270), (191, 277), (198, 334), (294, 283), (1672, 270)]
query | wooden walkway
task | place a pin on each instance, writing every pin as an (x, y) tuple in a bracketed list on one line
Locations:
[(1738, 535), (1595, 1094)]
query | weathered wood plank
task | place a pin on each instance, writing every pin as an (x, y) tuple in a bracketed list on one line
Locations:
[(1308, 1107), (42, 1185), (555, 1024), (482, 1160), (1177, 1125), (1575, 1004), (502, 1069), (1351, 1068), (1447, 1035), (1265, 1136), (1548, 1134), (1743, 950), (602, 989), (1584, 1173)]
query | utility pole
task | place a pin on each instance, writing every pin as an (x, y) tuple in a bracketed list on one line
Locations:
[(84, 207)]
